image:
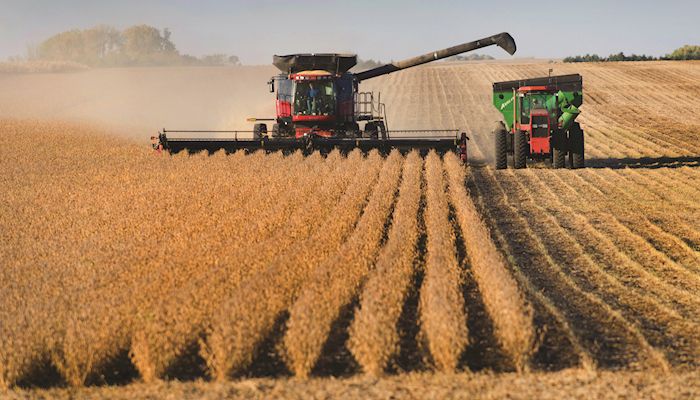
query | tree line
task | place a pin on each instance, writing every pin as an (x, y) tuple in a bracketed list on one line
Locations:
[(106, 46), (687, 52)]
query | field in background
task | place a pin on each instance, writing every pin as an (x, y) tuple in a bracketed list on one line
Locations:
[(123, 265)]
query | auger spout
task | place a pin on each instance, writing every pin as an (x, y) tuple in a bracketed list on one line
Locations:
[(503, 40)]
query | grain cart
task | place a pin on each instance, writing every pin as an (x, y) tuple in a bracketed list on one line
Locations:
[(540, 121), (319, 107)]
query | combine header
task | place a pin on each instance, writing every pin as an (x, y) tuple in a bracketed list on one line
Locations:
[(320, 108), (540, 121)]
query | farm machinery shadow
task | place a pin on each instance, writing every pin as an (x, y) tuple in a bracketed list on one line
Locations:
[(644, 162)]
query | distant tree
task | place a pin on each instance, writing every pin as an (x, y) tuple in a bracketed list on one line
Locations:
[(65, 46), (686, 52), (102, 45), (613, 57), (144, 45), (214, 59), (105, 46)]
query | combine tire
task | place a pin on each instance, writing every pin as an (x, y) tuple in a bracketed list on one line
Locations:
[(520, 150), (559, 150), (577, 146), (500, 138), (371, 131), (354, 130), (259, 131), (382, 129)]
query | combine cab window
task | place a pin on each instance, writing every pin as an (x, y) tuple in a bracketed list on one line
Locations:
[(314, 98)]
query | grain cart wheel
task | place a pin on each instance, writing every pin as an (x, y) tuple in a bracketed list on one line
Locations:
[(371, 130), (259, 131), (559, 149), (501, 140), (520, 150), (577, 146)]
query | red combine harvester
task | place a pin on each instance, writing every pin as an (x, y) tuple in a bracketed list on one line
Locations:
[(320, 108)]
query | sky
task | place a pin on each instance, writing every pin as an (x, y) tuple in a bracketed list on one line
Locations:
[(385, 30)]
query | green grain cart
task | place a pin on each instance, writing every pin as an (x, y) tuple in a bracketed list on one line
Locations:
[(540, 121)]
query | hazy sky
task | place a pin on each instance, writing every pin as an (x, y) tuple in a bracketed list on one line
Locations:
[(254, 30)]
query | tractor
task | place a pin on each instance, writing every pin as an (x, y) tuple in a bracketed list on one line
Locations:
[(540, 121), (319, 107)]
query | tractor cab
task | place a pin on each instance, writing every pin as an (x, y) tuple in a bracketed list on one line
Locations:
[(537, 117)]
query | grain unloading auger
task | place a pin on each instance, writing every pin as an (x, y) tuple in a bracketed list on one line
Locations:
[(320, 108)]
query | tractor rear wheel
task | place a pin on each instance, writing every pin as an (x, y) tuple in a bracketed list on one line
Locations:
[(520, 150), (500, 138), (259, 130), (559, 150), (577, 147)]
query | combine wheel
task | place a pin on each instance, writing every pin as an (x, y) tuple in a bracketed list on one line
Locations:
[(559, 150), (276, 130), (259, 131), (355, 131), (371, 131), (577, 146), (382, 129), (520, 150), (500, 138)]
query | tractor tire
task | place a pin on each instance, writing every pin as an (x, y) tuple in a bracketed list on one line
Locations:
[(259, 131), (558, 159), (520, 150), (559, 150), (576, 141), (501, 152)]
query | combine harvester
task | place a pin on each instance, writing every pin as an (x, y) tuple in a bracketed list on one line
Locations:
[(540, 121), (320, 108)]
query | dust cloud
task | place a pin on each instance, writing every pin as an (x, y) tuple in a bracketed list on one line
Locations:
[(137, 102)]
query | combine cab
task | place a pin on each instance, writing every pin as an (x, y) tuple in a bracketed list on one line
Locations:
[(320, 107), (540, 121)]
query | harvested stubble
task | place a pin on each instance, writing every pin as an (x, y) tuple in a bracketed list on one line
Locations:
[(334, 282), (594, 270), (374, 339), (503, 299), (442, 313), (249, 316)]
